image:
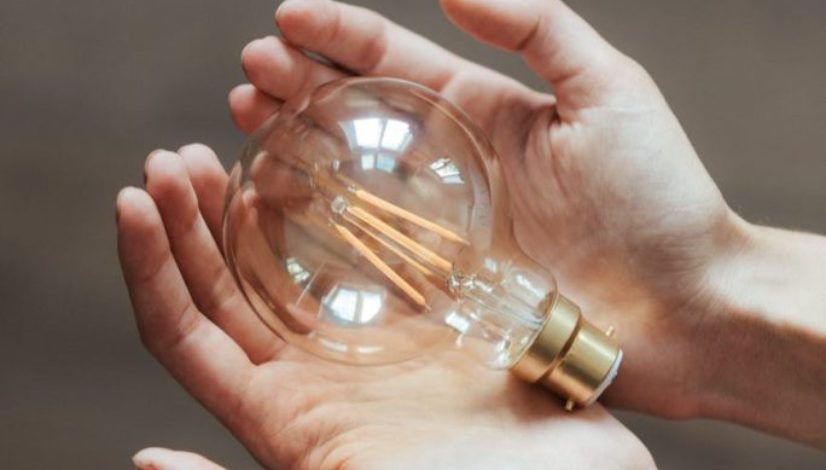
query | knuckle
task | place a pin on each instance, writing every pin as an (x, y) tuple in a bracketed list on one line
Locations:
[(173, 333)]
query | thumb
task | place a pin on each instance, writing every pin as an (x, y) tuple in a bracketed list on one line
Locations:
[(555, 42), (157, 458)]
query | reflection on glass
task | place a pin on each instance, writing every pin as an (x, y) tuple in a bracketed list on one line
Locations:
[(385, 163), (447, 171), (368, 161), (458, 322), (367, 132), (396, 135), (353, 306), (377, 134), (297, 272), (377, 141)]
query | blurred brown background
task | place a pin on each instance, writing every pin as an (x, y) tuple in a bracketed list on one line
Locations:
[(88, 87)]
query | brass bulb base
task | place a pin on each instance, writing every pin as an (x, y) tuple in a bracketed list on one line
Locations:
[(570, 356)]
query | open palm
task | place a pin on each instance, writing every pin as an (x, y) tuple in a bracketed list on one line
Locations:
[(293, 410), (606, 190)]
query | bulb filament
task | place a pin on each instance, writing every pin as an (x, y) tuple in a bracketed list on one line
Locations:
[(413, 253), (365, 251), (409, 216)]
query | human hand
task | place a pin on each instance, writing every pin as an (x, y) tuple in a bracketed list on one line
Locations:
[(606, 188), (158, 458), (293, 410)]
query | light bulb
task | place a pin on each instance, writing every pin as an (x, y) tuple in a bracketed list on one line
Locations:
[(367, 222)]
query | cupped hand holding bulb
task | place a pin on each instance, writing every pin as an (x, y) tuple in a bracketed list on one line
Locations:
[(291, 409), (606, 190)]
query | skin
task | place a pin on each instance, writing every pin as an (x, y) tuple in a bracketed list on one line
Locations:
[(639, 235)]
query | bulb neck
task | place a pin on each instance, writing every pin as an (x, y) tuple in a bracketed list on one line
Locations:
[(570, 356)]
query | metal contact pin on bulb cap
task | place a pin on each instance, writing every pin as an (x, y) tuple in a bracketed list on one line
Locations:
[(570, 356)]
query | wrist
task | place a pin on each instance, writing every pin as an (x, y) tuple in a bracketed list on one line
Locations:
[(764, 339), (774, 277)]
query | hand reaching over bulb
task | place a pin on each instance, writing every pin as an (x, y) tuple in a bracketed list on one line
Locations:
[(606, 190)]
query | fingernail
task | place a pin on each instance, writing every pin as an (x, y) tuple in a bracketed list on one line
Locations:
[(158, 458), (281, 7), (186, 148), (118, 201), (153, 153), (245, 49), (144, 459), (148, 162)]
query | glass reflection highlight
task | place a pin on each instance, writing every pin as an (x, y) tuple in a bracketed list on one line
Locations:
[(353, 306)]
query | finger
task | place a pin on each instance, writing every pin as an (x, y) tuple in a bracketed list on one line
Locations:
[(364, 42), (210, 183), (157, 458), (206, 361), (249, 107), (210, 283), (555, 42), (281, 70)]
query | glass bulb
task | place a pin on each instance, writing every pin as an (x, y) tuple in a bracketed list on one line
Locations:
[(367, 222)]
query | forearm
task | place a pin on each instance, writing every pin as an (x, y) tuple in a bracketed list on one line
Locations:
[(765, 348)]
